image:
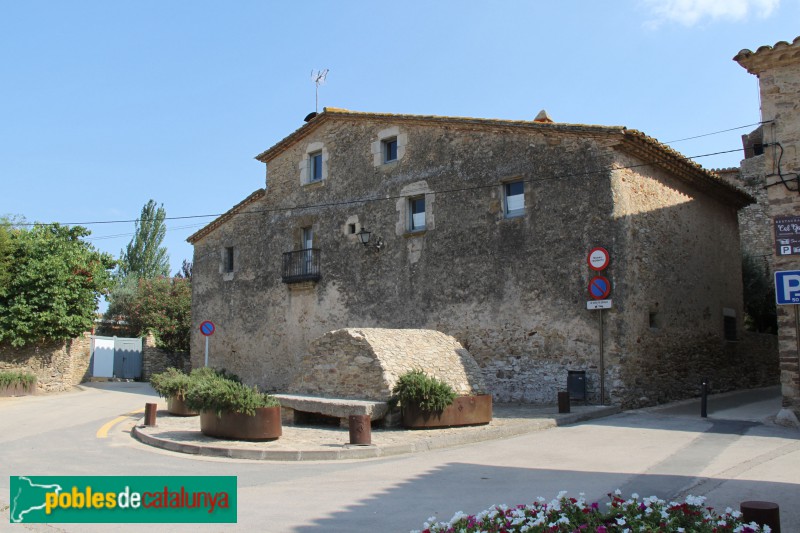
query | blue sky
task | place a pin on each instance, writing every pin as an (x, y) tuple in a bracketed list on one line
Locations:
[(104, 105)]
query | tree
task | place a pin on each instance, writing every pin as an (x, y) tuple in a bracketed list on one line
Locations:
[(759, 296), (5, 254), (54, 281), (144, 257), (186, 270), (163, 306)]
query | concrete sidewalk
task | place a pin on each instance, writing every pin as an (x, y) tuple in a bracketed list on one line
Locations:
[(322, 443)]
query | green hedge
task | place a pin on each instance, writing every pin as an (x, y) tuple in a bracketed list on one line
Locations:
[(416, 388), (11, 378), (218, 391)]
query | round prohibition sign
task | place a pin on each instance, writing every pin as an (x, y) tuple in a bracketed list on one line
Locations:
[(598, 258), (599, 287), (207, 328)]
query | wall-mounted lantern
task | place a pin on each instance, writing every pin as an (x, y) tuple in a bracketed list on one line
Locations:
[(365, 237)]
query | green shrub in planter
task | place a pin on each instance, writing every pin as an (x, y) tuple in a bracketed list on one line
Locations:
[(12, 378), (172, 383), (213, 392), (207, 371), (416, 388)]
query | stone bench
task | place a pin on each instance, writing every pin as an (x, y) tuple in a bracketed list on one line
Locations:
[(299, 409)]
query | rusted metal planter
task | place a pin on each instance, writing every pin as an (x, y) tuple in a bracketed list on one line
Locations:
[(464, 411), (177, 406), (18, 390), (264, 425)]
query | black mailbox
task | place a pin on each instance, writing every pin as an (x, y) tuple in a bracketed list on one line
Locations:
[(576, 385)]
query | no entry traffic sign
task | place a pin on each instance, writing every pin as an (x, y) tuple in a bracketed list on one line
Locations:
[(207, 328), (599, 287), (598, 258)]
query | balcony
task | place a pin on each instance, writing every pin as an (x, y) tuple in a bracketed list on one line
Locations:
[(301, 265)]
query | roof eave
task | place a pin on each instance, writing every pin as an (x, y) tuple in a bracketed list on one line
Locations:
[(220, 220)]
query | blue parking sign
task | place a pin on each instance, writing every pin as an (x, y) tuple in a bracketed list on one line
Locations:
[(787, 287)]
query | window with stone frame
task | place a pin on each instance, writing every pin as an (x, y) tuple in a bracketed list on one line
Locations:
[(389, 150), (416, 211), (315, 166), (514, 198)]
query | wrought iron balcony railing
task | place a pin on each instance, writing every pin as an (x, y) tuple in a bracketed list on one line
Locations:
[(301, 265)]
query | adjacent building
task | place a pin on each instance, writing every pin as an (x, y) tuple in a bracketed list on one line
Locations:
[(778, 71)]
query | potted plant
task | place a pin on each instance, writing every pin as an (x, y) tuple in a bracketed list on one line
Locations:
[(172, 384), (427, 402), (229, 409), (15, 383)]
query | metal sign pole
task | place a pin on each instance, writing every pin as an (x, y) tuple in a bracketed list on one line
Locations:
[(206, 363), (602, 365)]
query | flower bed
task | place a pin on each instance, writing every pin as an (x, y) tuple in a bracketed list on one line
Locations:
[(620, 515)]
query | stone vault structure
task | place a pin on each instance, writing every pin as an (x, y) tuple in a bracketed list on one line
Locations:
[(365, 364), (479, 229)]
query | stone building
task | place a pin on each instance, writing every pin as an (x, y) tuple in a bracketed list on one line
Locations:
[(778, 71), (480, 229)]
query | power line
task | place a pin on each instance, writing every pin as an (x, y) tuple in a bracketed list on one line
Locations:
[(720, 131), (371, 199)]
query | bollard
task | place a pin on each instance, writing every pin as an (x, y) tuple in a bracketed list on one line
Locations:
[(360, 430), (563, 402), (704, 399), (150, 414), (762, 513)]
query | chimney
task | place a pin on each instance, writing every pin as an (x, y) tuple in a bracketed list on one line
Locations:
[(543, 117)]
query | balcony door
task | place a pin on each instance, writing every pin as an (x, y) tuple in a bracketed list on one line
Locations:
[(308, 255)]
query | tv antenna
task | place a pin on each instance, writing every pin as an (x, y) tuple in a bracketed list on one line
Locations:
[(319, 79)]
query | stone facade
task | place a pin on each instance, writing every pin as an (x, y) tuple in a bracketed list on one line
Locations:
[(156, 360), (778, 71), (755, 225), (58, 366), (366, 363), (505, 275)]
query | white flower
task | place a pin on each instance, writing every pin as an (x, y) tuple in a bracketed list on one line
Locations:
[(561, 494), (695, 500), (618, 492), (635, 496), (621, 521), (681, 530)]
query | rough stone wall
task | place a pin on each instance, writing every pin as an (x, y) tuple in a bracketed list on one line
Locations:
[(366, 363), (778, 71), (156, 360), (755, 225), (512, 291), (58, 366), (676, 240)]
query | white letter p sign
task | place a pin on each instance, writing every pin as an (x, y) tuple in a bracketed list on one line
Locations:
[(789, 287)]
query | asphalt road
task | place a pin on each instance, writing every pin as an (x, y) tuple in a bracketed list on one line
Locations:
[(730, 457)]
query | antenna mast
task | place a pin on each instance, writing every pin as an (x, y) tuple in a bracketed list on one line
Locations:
[(318, 79)]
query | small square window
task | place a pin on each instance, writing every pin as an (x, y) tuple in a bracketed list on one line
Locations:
[(390, 150), (514, 193), (315, 166), (417, 212), (228, 259)]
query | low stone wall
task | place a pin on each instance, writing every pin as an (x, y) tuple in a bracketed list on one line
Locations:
[(365, 363), (58, 365), (155, 360)]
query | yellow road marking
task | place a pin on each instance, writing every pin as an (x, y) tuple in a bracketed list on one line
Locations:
[(102, 433)]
